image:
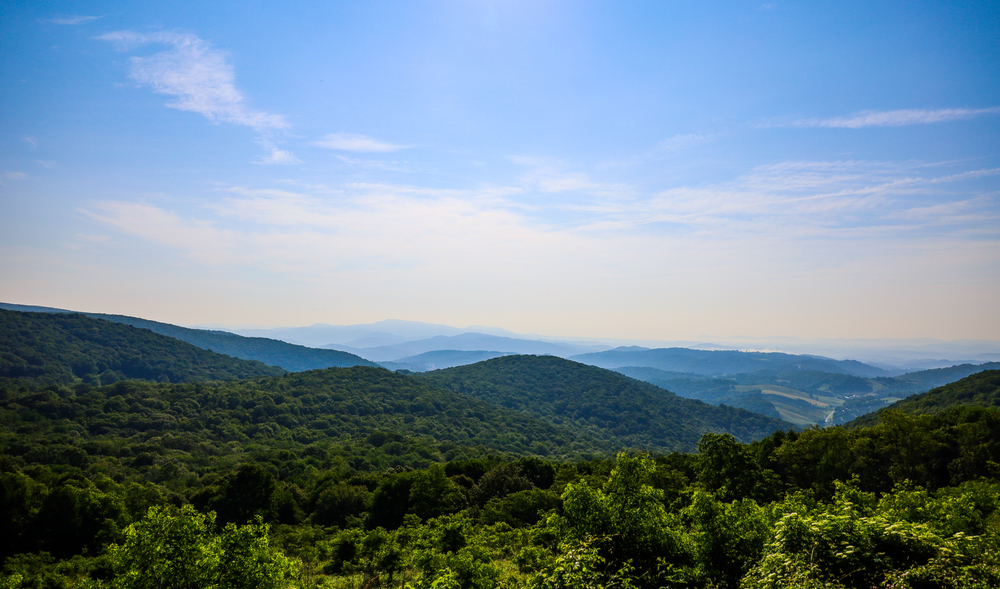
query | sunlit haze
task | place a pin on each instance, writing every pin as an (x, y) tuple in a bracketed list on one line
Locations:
[(653, 170)]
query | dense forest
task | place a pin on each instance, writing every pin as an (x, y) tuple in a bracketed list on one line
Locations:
[(627, 412), (41, 349), (979, 390), (99, 488), (271, 352), (490, 477)]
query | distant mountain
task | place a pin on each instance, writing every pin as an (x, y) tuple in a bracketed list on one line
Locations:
[(368, 335), (603, 404), (923, 380), (468, 342), (272, 352), (439, 359), (41, 349), (803, 397), (978, 390), (719, 362)]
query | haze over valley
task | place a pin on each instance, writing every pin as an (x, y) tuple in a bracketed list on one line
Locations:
[(499, 294)]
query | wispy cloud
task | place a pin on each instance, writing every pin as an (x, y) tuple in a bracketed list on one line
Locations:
[(677, 142), (275, 156), (31, 141), (197, 75), (796, 232), (280, 157), (549, 176), (72, 19), (817, 199), (353, 142), (391, 166), (893, 118), (369, 226), (15, 175)]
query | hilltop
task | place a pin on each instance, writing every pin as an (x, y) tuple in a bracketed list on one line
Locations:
[(291, 357), (979, 390), (803, 397), (42, 349), (606, 405)]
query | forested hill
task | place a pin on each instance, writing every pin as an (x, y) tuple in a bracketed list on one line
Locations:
[(271, 352), (718, 362), (980, 390), (42, 349), (609, 406), (335, 405), (924, 380)]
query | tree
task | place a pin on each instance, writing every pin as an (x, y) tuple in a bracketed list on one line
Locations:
[(177, 549)]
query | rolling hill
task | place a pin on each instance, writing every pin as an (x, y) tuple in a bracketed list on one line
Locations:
[(604, 404), (978, 390), (291, 357), (468, 342), (439, 359), (722, 362), (41, 349), (803, 397), (336, 405)]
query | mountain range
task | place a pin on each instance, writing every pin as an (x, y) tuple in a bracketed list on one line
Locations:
[(801, 389)]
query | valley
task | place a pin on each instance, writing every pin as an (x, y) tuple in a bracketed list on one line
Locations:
[(499, 470)]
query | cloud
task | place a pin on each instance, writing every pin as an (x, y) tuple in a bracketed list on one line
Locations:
[(548, 176), (370, 227), (15, 175), (894, 118), (352, 142), (682, 142), (856, 238), (279, 156), (198, 76), (391, 166), (31, 141), (72, 20), (815, 200), (45, 164), (205, 242)]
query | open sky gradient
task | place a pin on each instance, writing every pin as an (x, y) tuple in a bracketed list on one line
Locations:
[(657, 170)]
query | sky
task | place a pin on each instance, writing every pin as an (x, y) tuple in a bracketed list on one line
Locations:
[(649, 170)]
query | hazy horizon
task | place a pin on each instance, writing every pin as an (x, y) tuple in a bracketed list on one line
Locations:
[(647, 172)]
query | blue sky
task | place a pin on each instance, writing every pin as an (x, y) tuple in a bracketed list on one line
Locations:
[(653, 170)]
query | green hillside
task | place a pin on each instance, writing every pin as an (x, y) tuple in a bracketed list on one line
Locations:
[(802, 397), (42, 349), (924, 380), (115, 487), (979, 390), (320, 405), (608, 406), (291, 357)]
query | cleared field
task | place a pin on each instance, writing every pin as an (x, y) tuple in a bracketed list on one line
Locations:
[(770, 389), (798, 407)]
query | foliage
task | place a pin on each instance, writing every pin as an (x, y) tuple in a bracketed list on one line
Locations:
[(364, 478), (291, 357), (980, 390), (41, 349), (608, 406), (858, 395), (179, 549)]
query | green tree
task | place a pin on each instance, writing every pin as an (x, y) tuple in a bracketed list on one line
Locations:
[(177, 549)]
